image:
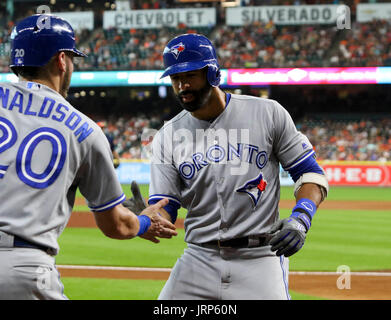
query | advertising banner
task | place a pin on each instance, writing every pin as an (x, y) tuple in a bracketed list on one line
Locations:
[(299, 76), (152, 19), (339, 173), (139, 171), (78, 19), (369, 11), (283, 15), (356, 173), (233, 77)]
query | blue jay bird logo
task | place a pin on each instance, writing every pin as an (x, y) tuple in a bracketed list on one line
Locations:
[(254, 188), (177, 49)]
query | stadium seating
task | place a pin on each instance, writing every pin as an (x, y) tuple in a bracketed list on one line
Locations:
[(257, 45), (260, 45), (363, 139)]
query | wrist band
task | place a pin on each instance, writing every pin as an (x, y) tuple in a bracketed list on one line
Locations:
[(305, 210), (145, 223)]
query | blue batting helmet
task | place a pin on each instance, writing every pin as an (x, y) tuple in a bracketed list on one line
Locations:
[(189, 52), (36, 39)]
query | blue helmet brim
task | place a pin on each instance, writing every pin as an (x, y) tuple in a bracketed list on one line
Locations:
[(77, 52), (184, 67)]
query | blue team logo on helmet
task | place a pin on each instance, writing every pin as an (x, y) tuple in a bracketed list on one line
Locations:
[(254, 188), (177, 49), (188, 52)]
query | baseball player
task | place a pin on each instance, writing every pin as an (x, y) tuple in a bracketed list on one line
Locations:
[(48, 149), (219, 158)]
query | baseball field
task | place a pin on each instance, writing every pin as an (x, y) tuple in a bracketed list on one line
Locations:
[(347, 254)]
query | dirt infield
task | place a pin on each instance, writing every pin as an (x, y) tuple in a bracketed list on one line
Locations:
[(360, 285)]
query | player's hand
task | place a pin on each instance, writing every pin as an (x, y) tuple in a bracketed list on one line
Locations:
[(137, 203), (160, 227), (288, 236), (116, 163)]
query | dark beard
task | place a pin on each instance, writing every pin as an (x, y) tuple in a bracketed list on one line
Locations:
[(200, 98), (67, 82)]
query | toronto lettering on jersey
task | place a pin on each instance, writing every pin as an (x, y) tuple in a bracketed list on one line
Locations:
[(49, 109), (194, 150), (246, 153)]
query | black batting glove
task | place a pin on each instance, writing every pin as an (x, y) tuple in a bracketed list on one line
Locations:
[(288, 236), (136, 204)]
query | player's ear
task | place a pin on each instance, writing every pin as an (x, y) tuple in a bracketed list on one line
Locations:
[(61, 61)]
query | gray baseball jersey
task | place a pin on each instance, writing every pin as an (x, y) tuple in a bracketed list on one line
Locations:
[(48, 149), (226, 172)]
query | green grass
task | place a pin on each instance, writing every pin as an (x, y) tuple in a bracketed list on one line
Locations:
[(301, 296), (359, 239), (356, 238), (348, 193), (336, 193), (111, 289), (88, 246), (121, 289)]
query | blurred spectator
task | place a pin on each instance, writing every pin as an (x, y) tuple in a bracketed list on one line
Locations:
[(365, 45), (267, 45), (126, 133), (110, 139), (259, 45), (364, 140)]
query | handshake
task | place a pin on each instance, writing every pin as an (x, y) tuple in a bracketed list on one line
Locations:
[(152, 224)]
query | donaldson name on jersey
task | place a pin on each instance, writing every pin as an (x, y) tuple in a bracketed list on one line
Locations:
[(46, 108)]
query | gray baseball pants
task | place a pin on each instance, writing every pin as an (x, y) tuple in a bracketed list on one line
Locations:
[(27, 273), (227, 274)]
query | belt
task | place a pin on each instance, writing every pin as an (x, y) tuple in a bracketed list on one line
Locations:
[(245, 242), (21, 243)]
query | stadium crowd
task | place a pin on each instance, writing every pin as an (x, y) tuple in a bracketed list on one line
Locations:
[(366, 45), (267, 45), (255, 45), (131, 135), (364, 140)]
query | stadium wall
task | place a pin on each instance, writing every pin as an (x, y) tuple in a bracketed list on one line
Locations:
[(339, 173)]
